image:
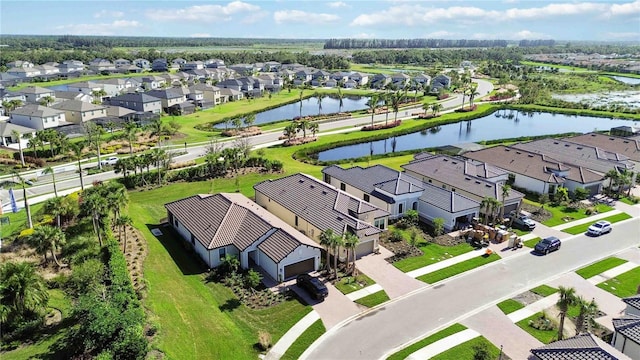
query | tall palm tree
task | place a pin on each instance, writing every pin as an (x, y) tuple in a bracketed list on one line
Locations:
[(303, 125), (25, 198), (53, 236), (340, 100), (506, 190), (326, 240), (50, 170), (96, 205), (396, 99), (320, 97), (614, 177), (337, 243), (122, 222), (426, 107), (77, 154), (16, 135), (314, 127), (351, 242), (291, 130), (23, 290), (373, 104), (130, 133), (473, 92), (587, 310), (301, 95), (117, 198), (161, 159), (566, 299)]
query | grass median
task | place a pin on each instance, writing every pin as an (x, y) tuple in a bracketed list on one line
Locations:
[(582, 228), (305, 340), (623, 285), (374, 299), (467, 350), (508, 306), (404, 353), (458, 268), (600, 267), (544, 290)]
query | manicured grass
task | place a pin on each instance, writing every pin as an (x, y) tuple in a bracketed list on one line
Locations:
[(458, 268), (350, 284), (374, 299), (544, 290), (466, 350), (432, 253), (402, 354), (545, 336), (627, 201), (560, 212), (600, 267), (305, 340), (531, 242), (579, 229), (520, 232), (58, 301), (623, 285), (508, 306)]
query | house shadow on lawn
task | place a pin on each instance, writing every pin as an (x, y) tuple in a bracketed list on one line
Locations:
[(186, 259)]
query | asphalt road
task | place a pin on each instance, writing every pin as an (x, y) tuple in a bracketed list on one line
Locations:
[(373, 334)]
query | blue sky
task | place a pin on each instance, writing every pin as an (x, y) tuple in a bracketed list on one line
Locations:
[(488, 19)]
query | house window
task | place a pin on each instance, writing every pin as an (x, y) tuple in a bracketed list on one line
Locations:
[(175, 222), (414, 206), (343, 187), (296, 220), (379, 223), (400, 208), (222, 253), (327, 178), (366, 197)]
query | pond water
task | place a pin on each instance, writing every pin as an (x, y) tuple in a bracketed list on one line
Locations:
[(309, 107), (499, 125), (627, 80), (628, 99), (59, 87)]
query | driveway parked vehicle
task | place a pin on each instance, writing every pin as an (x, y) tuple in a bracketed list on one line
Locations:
[(599, 228), (524, 223), (313, 286), (109, 161), (548, 245)]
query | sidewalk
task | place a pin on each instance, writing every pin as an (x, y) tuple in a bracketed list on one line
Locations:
[(394, 282), (586, 220), (611, 273), (290, 337)]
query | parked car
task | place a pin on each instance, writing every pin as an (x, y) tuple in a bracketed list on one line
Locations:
[(524, 223), (109, 161), (313, 286), (548, 245), (599, 228)]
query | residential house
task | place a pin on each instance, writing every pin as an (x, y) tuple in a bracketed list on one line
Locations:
[(153, 82), (9, 80), (79, 112), (211, 95), (626, 337), (24, 72), (11, 96), (252, 86), (177, 63), (312, 206), (71, 66), (628, 147), (85, 87), (117, 115), (138, 101), (47, 70), (380, 81), (231, 224), (538, 172), (421, 79), (227, 94), (115, 86), (303, 76), (215, 63), (271, 82), (440, 82), (173, 79), (173, 102), (400, 80), (359, 78), (7, 133), (20, 64), (579, 347), (121, 62), (633, 305), (319, 77), (271, 66), (160, 64), (192, 65), (37, 117), (292, 66), (129, 69), (286, 74), (144, 64), (73, 95), (350, 84), (34, 94), (243, 69), (101, 65), (237, 85)]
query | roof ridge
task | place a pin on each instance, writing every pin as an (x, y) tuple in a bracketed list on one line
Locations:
[(224, 218)]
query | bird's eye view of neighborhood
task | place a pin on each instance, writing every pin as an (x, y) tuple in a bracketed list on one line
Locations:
[(320, 180)]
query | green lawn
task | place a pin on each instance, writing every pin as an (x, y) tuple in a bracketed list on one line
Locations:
[(348, 284), (432, 253), (458, 268), (544, 290), (579, 229), (508, 306), (627, 201), (600, 267), (305, 340), (374, 299), (466, 350), (531, 242), (560, 212), (402, 354), (623, 285), (545, 336)]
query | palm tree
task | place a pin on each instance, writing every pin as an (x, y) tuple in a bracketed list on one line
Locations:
[(23, 290), (161, 159), (566, 299), (396, 99), (301, 94), (340, 100), (46, 100), (387, 103), (24, 197), (41, 138), (426, 107), (50, 170), (10, 105), (291, 130), (373, 104), (77, 153), (53, 236), (94, 133), (249, 119), (98, 95), (351, 242), (338, 242), (320, 97), (614, 177), (122, 222), (55, 208), (303, 125), (96, 205), (326, 240), (16, 135), (237, 123), (506, 190), (130, 132), (587, 310), (625, 180), (314, 127), (117, 198), (473, 92), (436, 108)]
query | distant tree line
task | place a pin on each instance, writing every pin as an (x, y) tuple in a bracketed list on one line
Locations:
[(410, 43), (528, 43)]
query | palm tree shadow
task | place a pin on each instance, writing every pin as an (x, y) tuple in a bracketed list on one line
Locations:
[(181, 252)]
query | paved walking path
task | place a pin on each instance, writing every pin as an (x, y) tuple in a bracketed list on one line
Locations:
[(589, 219), (394, 282), (371, 289), (611, 273), (443, 345), (294, 333)]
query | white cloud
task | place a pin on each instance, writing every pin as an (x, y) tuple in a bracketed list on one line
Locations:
[(411, 15), (200, 35), (555, 10), (204, 12), (338, 4), (528, 35), (252, 18), (291, 16), (625, 9), (623, 35), (363, 36), (113, 28), (108, 13), (442, 34)]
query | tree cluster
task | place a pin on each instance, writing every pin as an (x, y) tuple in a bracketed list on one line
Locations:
[(347, 43)]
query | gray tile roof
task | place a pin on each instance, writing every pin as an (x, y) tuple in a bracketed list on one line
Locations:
[(6, 128), (629, 326), (372, 177), (579, 347), (447, 200), (36, 111), (118, 111), (77, 105), (622, 145), (37, 90), (320, 204), (165, 94), (633, 301), (233, 219), (136, 97)]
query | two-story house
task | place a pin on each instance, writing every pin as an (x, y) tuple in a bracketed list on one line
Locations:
[(139, 102), (35, 94), (79, 112), (37, 117)]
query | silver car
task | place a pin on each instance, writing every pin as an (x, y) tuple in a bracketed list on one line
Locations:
[(599, 228)]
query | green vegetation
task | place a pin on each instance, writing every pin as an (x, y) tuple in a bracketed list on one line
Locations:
[(531, 243), (628, 201), (544, 335), (623, 285), (349, 284), (468, 350), (305, 340), (544, 290), (374, 299), (600, 267), (554, 66), (432, 253), (579, 229), (404, 353), (508, 306), (458, 268), (562, 214)]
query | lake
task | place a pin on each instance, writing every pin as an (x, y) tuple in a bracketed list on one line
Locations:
[(499, 125), (627, 80), (309, 107)]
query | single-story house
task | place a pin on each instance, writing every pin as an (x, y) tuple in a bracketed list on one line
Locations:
[(626, 337), (7, 136), (629, 147), (312, 206), (633, 305), (579, 347), (232, 224)]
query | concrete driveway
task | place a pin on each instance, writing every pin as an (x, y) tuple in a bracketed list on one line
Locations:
[(394, 282)]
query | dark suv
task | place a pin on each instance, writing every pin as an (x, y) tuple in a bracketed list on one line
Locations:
[(547, 245), (313, 286)]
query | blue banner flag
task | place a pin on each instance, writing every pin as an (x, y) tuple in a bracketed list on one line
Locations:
[(12, 198)]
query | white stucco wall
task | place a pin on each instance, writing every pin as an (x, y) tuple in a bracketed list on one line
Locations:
[(626, 346)]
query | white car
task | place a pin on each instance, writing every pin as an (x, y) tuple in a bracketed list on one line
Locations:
[(109, 161), (599, 228)]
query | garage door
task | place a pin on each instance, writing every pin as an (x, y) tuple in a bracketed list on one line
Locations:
[(300, 267), (364, 248), (593, 189)]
